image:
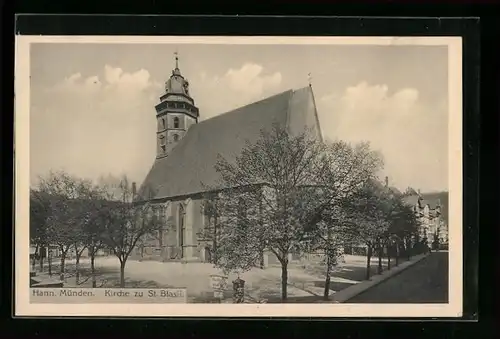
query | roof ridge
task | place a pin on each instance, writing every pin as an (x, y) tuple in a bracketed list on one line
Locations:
[(288, 105), (245, 106), (316, 113)]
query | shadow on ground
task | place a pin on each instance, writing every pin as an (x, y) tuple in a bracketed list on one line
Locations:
[(106, 277)]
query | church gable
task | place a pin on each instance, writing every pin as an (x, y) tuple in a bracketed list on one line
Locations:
[(190, 165), (302, 113)]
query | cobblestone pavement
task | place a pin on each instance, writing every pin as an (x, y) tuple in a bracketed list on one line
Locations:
[(424, 282)]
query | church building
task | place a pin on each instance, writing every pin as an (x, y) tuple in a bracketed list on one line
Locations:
[(187, 150)]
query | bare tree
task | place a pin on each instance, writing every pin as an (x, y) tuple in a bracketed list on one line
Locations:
[(94, 228), (126, 222), (39, 213), (267, 196), (64, 220)]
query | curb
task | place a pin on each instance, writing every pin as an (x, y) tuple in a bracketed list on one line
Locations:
[(350, 292)]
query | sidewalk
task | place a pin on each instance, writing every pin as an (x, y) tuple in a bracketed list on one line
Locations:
[(344, 295)]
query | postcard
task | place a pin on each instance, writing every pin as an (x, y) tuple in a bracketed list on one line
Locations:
[(238, 176)]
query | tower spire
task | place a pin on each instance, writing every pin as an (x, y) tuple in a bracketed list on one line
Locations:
[(309, 79), (176, 59)]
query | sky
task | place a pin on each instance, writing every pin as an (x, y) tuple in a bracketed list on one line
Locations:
[(92, 105)]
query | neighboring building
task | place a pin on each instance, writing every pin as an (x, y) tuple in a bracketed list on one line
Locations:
[(187, 152), (432, 219)]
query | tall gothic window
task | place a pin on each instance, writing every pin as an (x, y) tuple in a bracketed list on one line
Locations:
[(242, 212), (163, 123), (176, 122)]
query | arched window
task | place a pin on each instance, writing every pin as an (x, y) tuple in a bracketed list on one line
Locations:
[(176, 122), (242, 212), (182, 216), (176, 137), (163, 123)]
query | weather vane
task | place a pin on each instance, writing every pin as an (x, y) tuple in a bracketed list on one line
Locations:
[(176, 59)]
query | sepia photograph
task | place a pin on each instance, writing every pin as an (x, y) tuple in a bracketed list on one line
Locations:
[(238, 174)]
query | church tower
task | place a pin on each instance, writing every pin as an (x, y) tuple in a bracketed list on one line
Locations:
[(175, 112)]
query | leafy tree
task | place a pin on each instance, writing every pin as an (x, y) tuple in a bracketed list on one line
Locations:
[(403, 226), (367, 218), (345, 169), (267, 196)]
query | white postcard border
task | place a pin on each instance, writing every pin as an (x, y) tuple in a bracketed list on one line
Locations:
[(23, 307)]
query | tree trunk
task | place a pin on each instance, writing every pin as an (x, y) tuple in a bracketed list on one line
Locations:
[(41, 258), (33, 262), (262, 264), (326, 292), (61, 271), (122, 272), (388, 256), (284, 279), (49, 259), (92, 269), (397, 254), (77, 267), (368, 259)]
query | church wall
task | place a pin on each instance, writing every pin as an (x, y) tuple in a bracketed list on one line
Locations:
[(189, 121), (171, 133)]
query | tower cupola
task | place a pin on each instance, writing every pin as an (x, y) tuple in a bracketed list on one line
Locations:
[(175, 112)]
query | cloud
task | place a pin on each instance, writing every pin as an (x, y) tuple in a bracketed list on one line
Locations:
[(411, 134), (94, 125), (235, 88)]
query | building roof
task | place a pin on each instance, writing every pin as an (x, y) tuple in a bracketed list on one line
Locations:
[(189, 168), (434, 200)]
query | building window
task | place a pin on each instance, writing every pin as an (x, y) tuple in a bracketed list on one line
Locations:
[(162, 140), (242, 212), (176, 137), (182, 217), (176, 122), (163, 123)]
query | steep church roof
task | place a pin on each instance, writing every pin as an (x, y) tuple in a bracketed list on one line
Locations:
[(190, 165)]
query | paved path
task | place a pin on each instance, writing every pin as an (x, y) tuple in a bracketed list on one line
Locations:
[(424, 282)]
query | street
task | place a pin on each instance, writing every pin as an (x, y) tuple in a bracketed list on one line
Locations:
[(424, 282)]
